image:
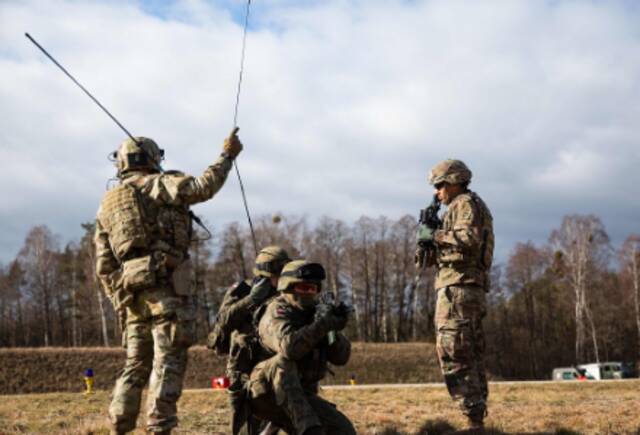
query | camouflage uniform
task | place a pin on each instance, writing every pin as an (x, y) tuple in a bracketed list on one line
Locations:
[(283, 389), (143, 232), (234, 331), (236, 316), (463, 255)]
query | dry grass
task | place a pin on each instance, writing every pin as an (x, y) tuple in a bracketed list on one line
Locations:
[(572, 408)]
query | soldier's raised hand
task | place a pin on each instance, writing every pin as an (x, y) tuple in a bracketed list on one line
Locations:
[(232, 145)]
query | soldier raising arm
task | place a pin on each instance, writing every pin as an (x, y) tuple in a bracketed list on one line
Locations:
[(143, 232)]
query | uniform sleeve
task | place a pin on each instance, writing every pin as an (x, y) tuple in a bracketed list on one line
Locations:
[(339, 352), (181, 189), (465, 231), (106, 262), (279, 335), (234, 314)]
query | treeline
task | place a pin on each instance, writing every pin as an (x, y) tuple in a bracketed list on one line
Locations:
[(572, 300)]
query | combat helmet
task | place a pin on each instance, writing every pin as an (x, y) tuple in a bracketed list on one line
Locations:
[(139, 154), (450, 171), (270, 261), (299, 271)]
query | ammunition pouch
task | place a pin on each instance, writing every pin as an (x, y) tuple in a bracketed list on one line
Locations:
[(181, 278), (121, 299), (139, 274)]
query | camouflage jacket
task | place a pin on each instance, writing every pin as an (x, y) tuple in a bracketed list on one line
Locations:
[(152, 218), (464, 243), (291, 332), (236, 322)]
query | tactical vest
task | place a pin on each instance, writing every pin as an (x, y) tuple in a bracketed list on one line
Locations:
[(460, 266), (488, 240), (121, 217), (138, 224)]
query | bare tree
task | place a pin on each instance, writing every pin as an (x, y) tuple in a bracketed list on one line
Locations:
[(526, 266), (403, 282), (584, 246), (15, 281), (630, 264), (87, 253), (326, 245), (200, 254), (38, 258)]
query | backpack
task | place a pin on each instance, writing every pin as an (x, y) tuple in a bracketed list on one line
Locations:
[(220, 337)]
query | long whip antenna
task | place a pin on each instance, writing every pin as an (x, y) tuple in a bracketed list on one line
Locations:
[(235, 124), (80, 86)]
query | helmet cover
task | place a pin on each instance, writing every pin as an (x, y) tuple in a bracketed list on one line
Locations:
[(450, 171), (270, 261), (139, 154)]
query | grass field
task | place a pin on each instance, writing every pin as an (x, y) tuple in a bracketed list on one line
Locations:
[(546, 408)]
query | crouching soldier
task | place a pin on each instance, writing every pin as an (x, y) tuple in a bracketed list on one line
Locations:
[(303, 337), (234, 332)]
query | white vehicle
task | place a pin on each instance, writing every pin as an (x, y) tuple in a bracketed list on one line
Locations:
[(605, 370), (569, 374)]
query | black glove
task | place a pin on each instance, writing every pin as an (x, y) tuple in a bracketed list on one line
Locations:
[(322, 309), (343, 309), (329, 319), (261, 291)]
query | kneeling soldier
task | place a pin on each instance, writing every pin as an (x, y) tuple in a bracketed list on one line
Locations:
[(300, 333), (235, 330)]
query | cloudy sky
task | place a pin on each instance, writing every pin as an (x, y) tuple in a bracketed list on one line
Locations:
[(345, 106)]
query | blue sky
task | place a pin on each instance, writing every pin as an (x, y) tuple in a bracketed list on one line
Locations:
[(345, 106)]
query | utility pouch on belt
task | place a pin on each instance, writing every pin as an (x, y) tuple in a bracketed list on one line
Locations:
[(181, 278), (138, 274)]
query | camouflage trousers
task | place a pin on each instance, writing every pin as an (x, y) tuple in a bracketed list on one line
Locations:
[(159, 331), (276, 395), (460, 346), (243, 354)]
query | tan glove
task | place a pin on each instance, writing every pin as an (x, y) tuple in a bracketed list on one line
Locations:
[(232, 145)]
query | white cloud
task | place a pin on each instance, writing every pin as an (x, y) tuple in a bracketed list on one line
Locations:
[(344, 106)]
